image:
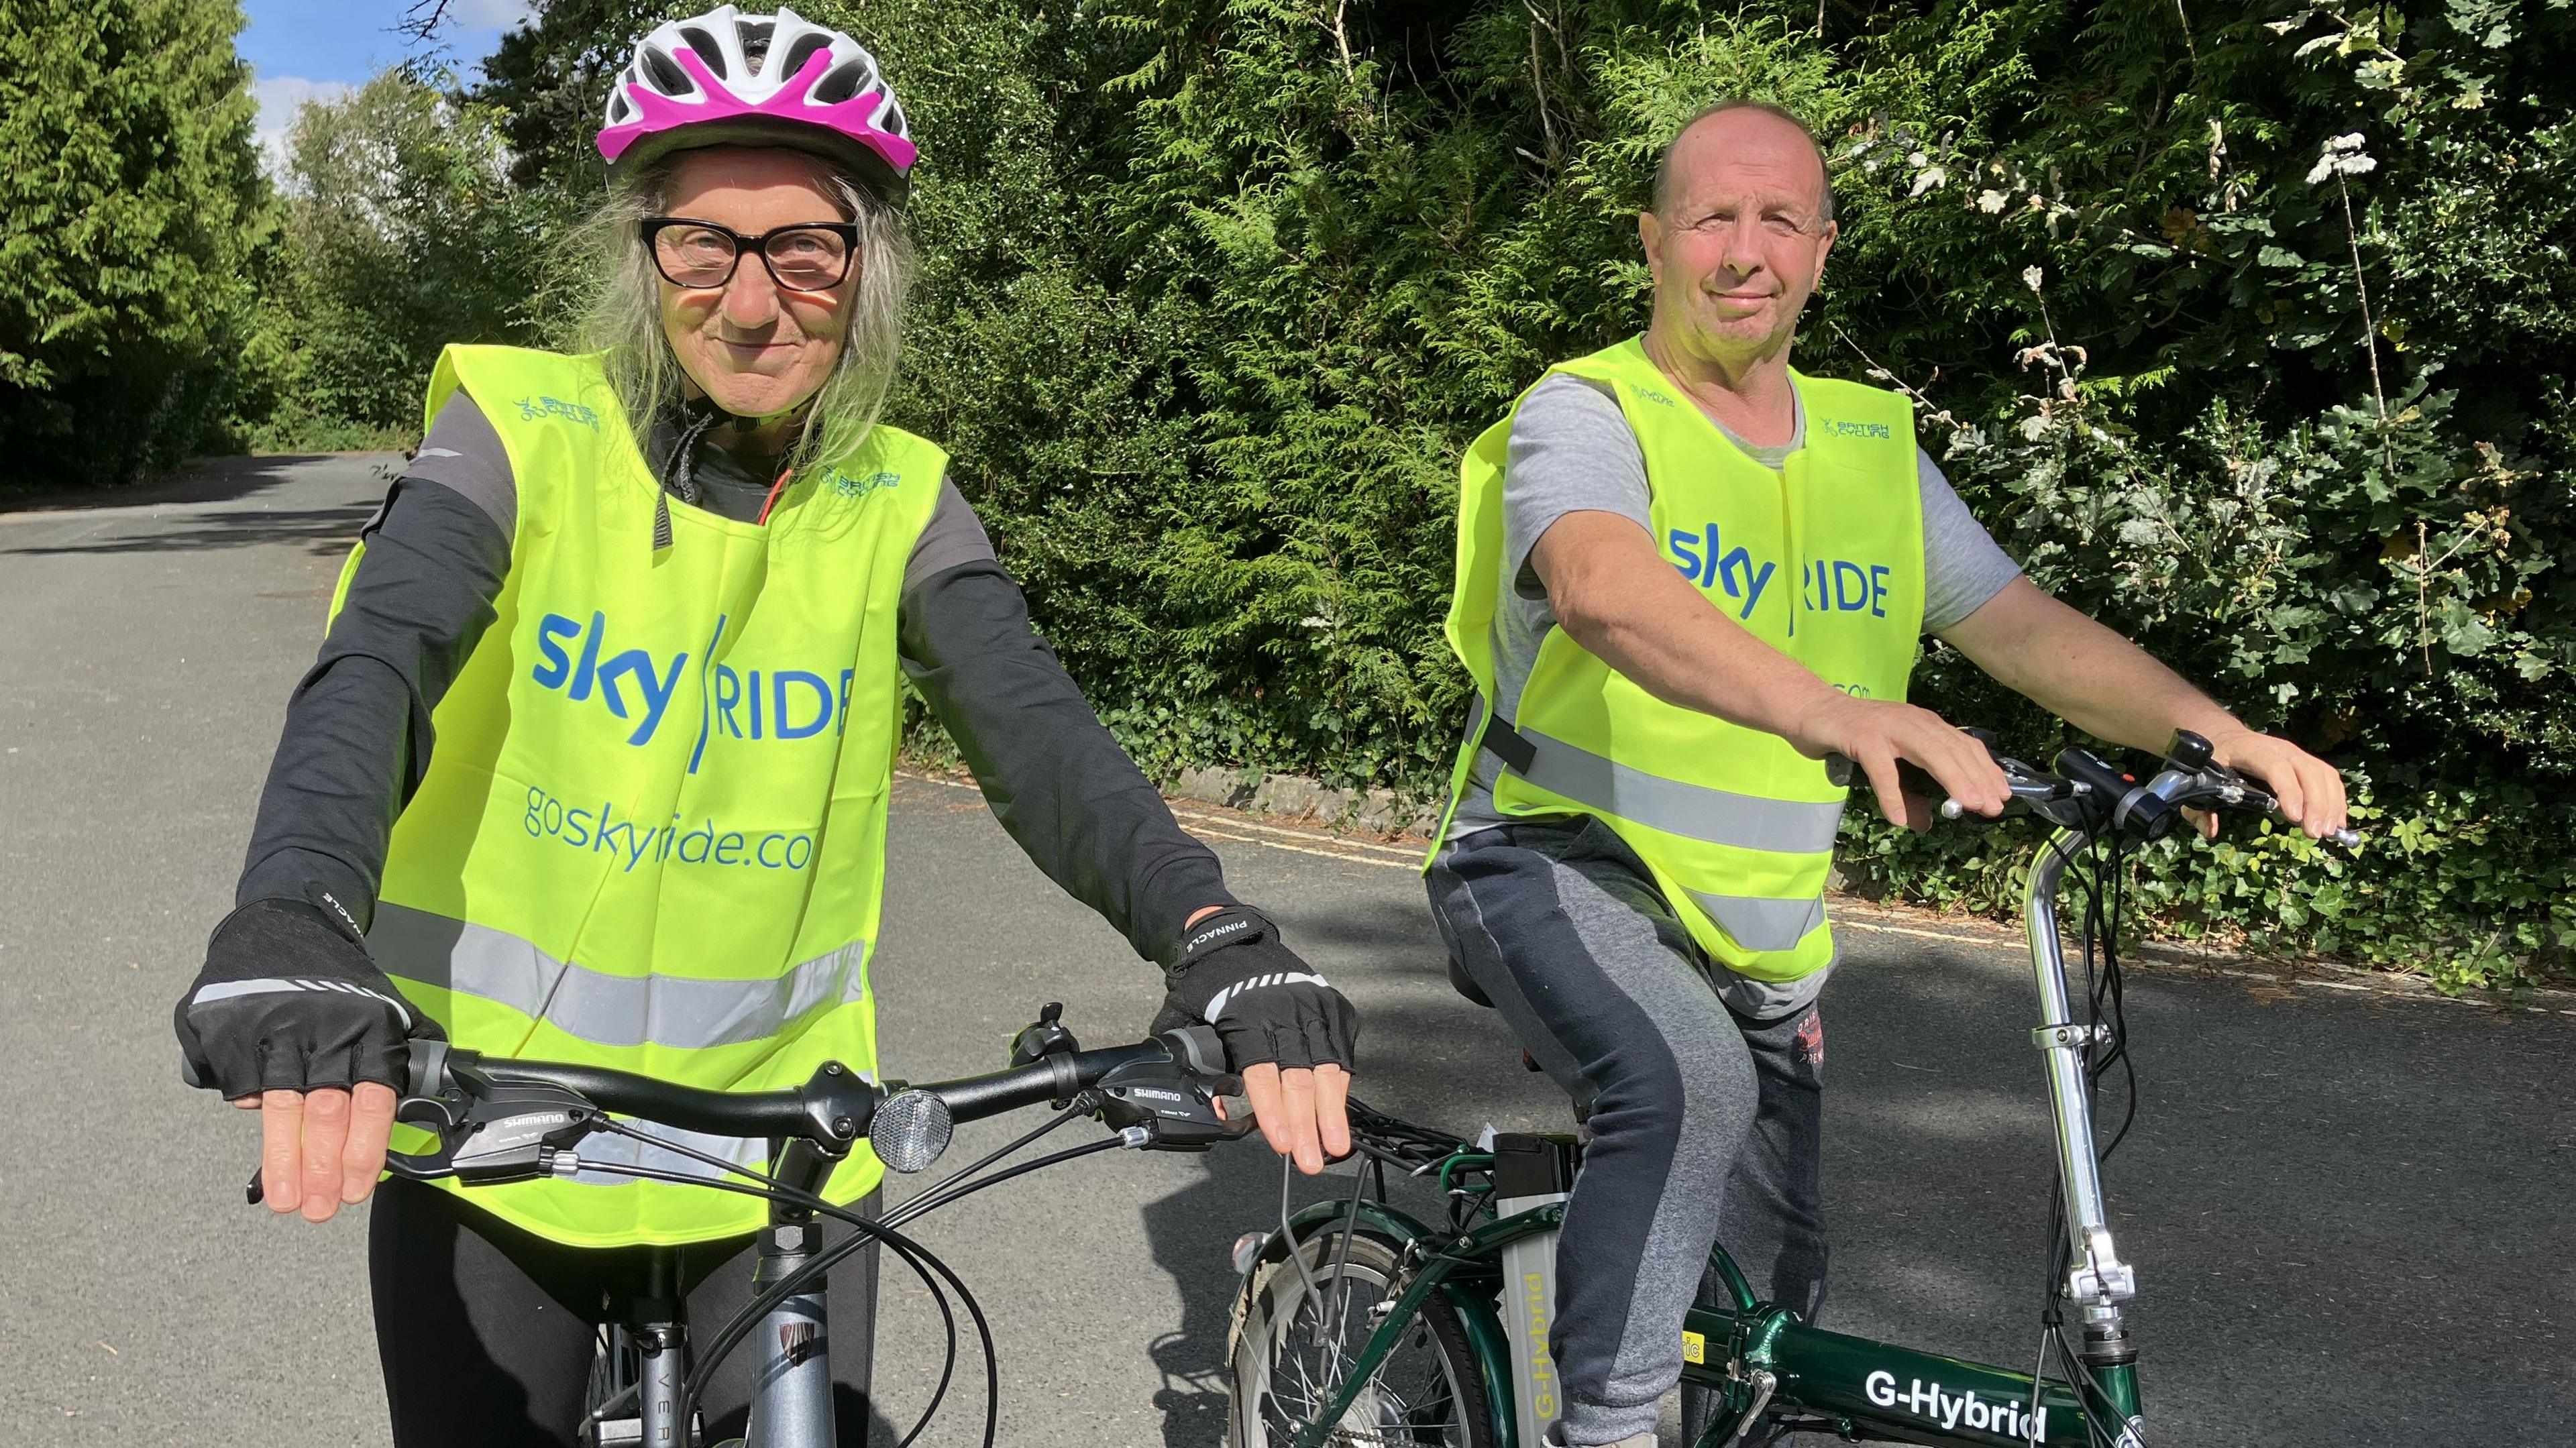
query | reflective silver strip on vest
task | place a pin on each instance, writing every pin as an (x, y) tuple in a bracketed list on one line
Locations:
[(1693, 811), (683, 1012), (1759, 923)]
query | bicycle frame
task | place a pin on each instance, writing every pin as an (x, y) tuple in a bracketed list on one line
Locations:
[(1759, 1357), (791, 1405)]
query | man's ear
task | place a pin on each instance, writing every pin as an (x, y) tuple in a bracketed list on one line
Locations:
[(1650, 235), (1824, 248)]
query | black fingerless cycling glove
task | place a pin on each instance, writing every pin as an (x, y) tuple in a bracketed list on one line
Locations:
[(1266, 1004), (289, 1001)]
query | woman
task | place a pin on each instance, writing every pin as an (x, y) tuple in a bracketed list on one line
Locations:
[(593, 764)]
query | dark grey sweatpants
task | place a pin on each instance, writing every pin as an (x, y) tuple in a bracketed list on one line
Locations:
[(1706, 1112)]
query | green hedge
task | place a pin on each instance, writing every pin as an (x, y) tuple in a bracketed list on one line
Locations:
[(135, 217), (1219, 293), (1216, 293)]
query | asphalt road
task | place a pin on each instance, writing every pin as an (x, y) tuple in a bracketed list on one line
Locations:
[(2350, 1214)]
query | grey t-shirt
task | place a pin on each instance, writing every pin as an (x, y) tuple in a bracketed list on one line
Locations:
[(1571, 450), (464, 452)]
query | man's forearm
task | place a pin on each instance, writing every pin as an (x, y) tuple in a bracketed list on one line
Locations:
[(1616, 596), (2083, 672)]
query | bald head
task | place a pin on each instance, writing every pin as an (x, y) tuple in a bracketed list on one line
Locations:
[(1726, 126)]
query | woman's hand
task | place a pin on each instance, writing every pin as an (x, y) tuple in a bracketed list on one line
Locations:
[(320, 1150), (1287, 1032), (290, 1018)]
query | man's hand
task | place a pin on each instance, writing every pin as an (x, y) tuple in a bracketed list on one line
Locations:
[(1287, 1032), (2309, 789), (1876, 733), (290, 1018)]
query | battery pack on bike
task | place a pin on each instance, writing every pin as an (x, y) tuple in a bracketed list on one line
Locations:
[(1531, 1172)]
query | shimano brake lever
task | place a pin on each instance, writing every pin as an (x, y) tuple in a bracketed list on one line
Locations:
[(1172, 1099)]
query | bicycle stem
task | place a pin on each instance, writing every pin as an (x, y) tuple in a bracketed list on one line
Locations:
[(2098, 1282)]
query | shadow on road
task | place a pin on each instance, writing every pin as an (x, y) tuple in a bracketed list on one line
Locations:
[(195, 512), (203, 480)]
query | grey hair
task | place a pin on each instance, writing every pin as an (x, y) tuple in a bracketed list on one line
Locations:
[(1663, 192), (621, 314)]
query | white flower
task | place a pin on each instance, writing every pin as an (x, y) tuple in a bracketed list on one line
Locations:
[(2342, 156), (1991, 202), (2032, 276), (1928, 178)]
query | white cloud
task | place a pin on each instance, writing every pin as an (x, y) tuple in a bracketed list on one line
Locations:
[(280, 97)]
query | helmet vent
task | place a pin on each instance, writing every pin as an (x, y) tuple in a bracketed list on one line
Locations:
[(842, 83), (755, 40), (797, 55), (707, 50), (666, 77)]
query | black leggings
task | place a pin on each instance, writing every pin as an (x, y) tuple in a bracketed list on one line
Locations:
[(487, 1332)]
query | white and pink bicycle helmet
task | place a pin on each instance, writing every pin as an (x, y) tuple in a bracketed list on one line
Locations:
[(729, 79)]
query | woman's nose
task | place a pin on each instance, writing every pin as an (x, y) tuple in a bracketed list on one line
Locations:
[(751, 298)]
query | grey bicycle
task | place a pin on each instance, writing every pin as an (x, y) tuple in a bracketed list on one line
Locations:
[(510, 1120)]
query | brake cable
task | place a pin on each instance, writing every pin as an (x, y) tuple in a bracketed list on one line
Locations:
[(940, 1193), (913, 1254)]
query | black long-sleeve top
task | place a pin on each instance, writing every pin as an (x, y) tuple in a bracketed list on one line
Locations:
[(358, 736)]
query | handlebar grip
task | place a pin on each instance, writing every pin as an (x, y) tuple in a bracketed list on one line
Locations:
[(1199, 1048)]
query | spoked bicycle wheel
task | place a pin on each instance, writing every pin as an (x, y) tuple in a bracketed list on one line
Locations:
[(1299, 1331)]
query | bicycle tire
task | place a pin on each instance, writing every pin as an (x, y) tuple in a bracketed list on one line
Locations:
[(1429, 1393)]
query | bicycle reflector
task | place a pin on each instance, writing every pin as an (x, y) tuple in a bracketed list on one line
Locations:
[(911, 1130)]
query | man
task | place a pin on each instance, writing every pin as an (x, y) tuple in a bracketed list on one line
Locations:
[(1687, 575)]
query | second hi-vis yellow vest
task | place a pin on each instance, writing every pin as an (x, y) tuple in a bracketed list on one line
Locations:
[(652, 834), (1823, 561)]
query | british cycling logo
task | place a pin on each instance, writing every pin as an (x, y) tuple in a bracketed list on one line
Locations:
[(532, 408), (2003, 1417), (1836, 427), (787, 704), (850, 487), (1828, 585)]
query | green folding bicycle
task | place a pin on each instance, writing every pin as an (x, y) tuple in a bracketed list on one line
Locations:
[(1359, 1324)]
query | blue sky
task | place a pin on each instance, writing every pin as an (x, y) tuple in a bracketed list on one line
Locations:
[(316, 49)]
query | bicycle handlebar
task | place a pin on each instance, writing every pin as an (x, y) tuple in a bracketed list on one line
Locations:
[(2083, 792), (503, 1120)]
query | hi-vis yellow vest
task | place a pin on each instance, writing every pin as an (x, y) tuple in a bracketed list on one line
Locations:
[(1823, 561), (652, 834)]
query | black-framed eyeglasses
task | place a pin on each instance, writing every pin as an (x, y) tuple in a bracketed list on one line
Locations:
[(810, 256)]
